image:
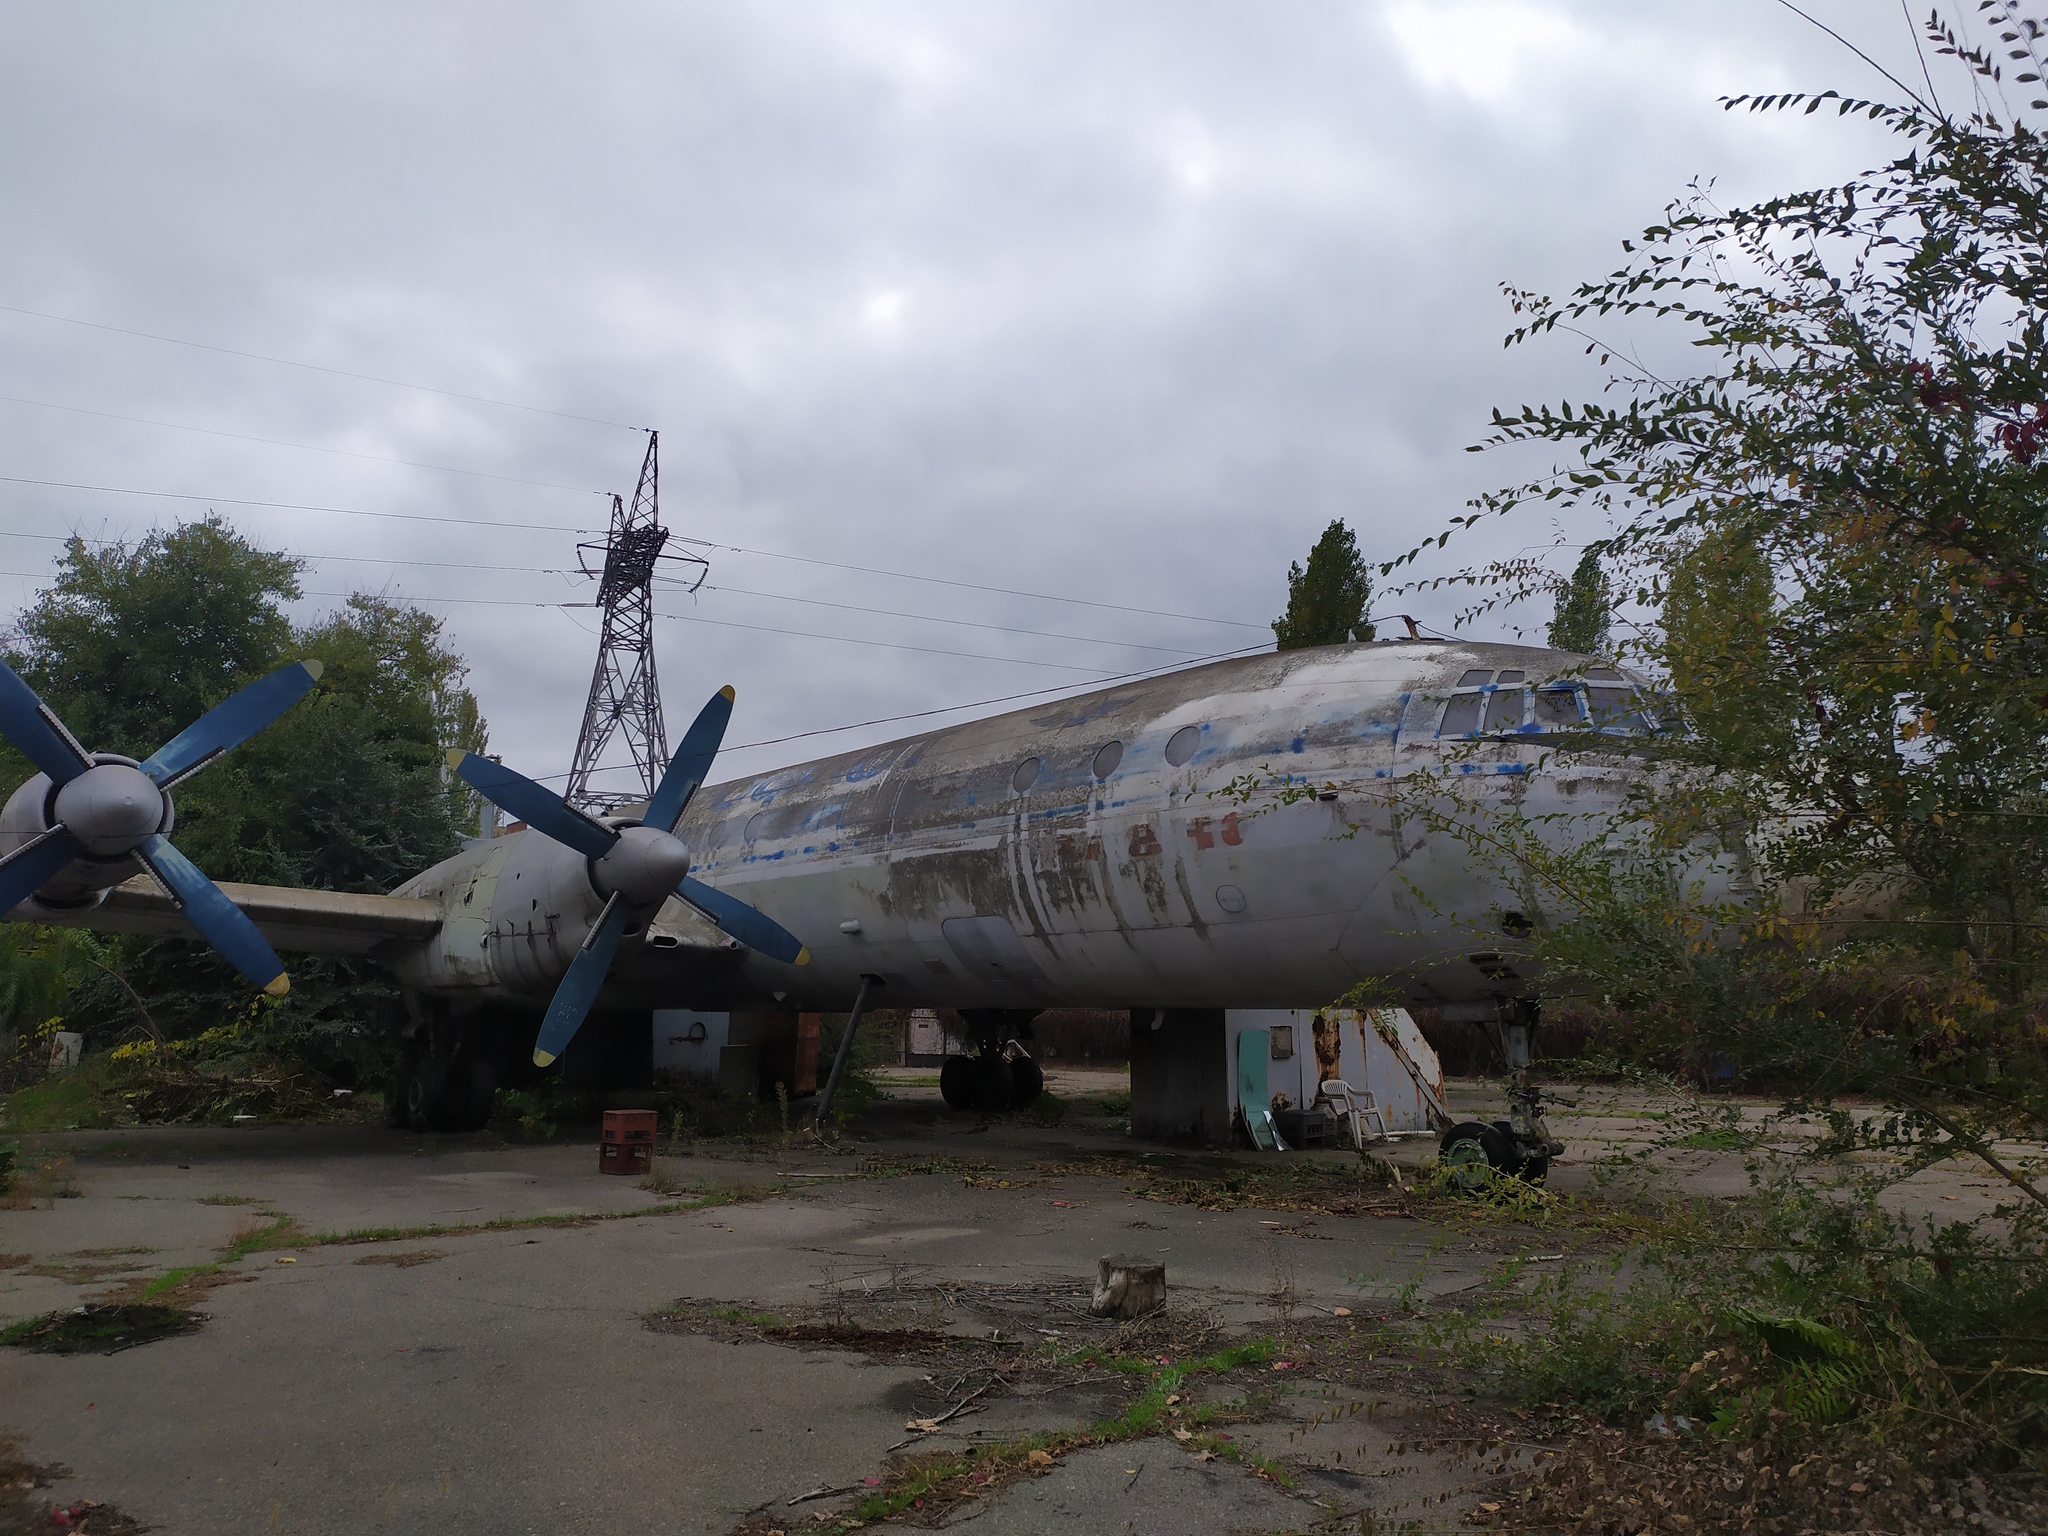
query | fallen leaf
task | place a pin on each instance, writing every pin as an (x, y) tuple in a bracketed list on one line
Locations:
[(1172, 1398), (1181, 1434), (285, 1258), (1205, 1455), (1340, 1311), (1039, 1459), (1490, 1508), (1283, 1365), (922, 1426), (872, 1482)]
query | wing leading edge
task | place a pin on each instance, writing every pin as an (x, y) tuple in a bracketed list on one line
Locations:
[(311, 922)]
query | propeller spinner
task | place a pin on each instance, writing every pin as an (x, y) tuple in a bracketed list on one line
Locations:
[(634, 867), (104, 809)]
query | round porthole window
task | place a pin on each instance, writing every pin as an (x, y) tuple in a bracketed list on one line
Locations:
[(1183, 744), (1025, 776), (1107, 759), (1230, 898), (754, 826)]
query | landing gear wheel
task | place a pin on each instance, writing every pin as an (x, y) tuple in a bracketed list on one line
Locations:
[(1463, 1154), (1535, 1170), (426, 1096), (1028, 1081), (995, 1085), (956, 1082), (1501, 1150), (397, 1097), (472, 1090)]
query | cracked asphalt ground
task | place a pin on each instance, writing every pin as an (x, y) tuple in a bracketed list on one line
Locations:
[(502, 1374)]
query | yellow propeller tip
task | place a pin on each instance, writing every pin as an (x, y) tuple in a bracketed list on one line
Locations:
[(726, 693), (278, 985), (455, 756), (541, 1058), (803, 957), (313, 668)]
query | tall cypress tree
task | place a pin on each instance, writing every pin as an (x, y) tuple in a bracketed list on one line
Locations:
[(1585, 609), (1327, 603)]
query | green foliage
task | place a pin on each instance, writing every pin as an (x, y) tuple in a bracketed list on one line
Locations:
[(1585, 608), (1327, 603), (1834, 875), (345, 791)]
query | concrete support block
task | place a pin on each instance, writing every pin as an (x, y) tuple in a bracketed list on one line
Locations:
[(1180, 1075), (739, 1071)]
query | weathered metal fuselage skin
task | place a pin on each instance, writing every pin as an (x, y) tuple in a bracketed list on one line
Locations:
[(1269, 866)]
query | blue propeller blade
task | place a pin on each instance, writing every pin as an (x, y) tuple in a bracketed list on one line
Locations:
[(542, 809), (754, 929), (692, 761), (579, 988), (27, 722), (219, 921), (231, 722), (33, 865)]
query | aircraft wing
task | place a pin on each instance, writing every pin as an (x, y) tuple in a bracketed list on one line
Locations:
[(311, 922)]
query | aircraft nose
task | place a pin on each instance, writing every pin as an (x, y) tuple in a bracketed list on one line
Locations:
[(644, 866), (110, 809)]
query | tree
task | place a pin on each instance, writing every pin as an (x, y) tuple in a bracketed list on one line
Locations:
[(1327, 603), (1585, 608), (1841, 522), (345, 791)]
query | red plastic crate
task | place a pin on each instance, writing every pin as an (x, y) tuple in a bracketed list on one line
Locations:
[(625, 1157), (629, 1125)]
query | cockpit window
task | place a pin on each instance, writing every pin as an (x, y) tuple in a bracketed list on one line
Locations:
[(1504, 708), (1474, 679), (1510, 677), (1557, 708), (1615, 709), (1461, 715)]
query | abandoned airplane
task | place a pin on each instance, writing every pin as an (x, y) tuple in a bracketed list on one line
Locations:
[(1222, 837)]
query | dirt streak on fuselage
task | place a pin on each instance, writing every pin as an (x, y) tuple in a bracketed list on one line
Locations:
[(1085, 853)]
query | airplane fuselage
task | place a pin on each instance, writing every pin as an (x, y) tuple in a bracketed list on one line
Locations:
[(1233, 835)]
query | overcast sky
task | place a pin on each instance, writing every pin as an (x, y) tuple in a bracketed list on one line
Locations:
[(1114, 303)]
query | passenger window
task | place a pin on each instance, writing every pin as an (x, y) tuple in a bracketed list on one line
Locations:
[(1461, 715), (1557, 709), (1474, 679), (1504, 709)]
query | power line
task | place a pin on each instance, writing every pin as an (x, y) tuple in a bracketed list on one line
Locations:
[(894, 613), (942, 581), (542, 570), (288, 362), (477, 522), (285, 506), (278, 442), (685, 618)]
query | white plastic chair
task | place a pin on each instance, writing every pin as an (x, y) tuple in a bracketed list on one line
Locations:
[(1357, 1108)]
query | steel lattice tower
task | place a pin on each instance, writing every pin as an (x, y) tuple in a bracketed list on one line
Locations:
[(625, 697)]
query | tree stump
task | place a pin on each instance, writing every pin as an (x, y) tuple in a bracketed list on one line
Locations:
[(1128, 1287)]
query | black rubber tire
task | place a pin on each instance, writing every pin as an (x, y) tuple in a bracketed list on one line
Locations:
[(472, 1092), (426, 1098), (956, 1082), (397, 1096), (995, 1085), (1027, 1081), (1534, 1170), (1463, 1153), (1501, 1152)]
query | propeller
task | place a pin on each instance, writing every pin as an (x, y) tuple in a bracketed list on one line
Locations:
[(635, 867), (108, 809)]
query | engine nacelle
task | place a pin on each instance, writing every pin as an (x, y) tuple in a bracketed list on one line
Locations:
[(31, 811)]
